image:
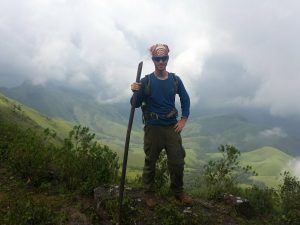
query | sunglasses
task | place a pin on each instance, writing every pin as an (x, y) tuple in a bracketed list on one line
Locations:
[(163, 58)]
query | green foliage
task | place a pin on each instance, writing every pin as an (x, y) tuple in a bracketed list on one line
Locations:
[(171, 214), (130, 211), (49, 133), (85, 164), (7, 135), (80, 164), (25, 210), (290, 200), (28, 155), (162, 173), (263, 200), (222, 175)]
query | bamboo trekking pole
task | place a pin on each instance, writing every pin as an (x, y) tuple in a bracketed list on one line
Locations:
[(126, 148)]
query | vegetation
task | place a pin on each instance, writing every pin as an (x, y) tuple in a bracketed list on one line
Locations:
[(45, 176), (77, 166), (278, 206), (202, 136), (222, 175)]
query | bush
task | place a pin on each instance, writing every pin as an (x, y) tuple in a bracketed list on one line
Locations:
[(80, 164), (221, 175), (84, 164), (25, 210), (263, 200), (170, 214), (289, 200), (29, 156), (130, 211), (162, 173), (8, 134)]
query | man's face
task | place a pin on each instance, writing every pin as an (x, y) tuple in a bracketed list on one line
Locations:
[(160, 62)]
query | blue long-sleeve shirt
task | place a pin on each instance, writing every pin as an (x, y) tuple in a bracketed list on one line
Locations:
[(161, 99)]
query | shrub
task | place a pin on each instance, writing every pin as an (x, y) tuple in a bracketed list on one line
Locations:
[(289, 200), (263, 200), (171, 214), (221, 175), (162, 173), (84, 163), (29, 156), (7, 133), (80, 164), (130, 211), (25, 210)]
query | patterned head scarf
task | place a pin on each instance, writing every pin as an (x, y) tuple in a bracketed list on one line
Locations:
[(159, 50)]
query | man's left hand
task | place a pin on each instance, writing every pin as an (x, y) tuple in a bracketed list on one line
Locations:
[(180, 125)]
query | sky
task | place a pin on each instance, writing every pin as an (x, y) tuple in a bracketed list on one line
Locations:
[(231, 53)]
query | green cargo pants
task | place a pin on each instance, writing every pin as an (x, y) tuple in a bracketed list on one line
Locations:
[(157, 138)]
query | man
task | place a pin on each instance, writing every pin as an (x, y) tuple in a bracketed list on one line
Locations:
[(156, 94)]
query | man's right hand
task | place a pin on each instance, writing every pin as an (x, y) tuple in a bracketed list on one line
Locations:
[(135, 86)]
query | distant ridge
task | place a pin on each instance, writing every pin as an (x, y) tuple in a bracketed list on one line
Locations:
[(202, 134)]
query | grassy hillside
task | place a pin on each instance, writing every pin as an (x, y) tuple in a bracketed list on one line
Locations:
[(14, 112), (205, 134), (201, 136), (105, 120), (268, 162), (109, 121), (45, 184)]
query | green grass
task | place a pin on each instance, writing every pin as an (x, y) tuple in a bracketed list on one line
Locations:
[(269, 181), (15, 112), (267, 161)]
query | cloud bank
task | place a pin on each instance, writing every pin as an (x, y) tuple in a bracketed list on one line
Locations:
[(229, 54), (294, 167)]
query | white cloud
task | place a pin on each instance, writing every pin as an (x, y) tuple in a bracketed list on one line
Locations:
[(101, 42), (274, 132), (294, 167)]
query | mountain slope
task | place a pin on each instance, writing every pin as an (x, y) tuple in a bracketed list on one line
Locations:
[(267, 161), (205, 134), (14, 112), (202, 134), (105, 120)]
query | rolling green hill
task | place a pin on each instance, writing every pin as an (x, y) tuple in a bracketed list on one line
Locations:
[(204, 134), (14, 112), (267, 161), (105, 120), (109, 121)]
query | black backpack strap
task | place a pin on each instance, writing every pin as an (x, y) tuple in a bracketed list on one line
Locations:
[(147, 90), (147, 85), (175, 79)]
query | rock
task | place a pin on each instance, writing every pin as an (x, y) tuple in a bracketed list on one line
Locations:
[(241, 205), (102, 194)]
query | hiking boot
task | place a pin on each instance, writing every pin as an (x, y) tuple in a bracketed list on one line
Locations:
[(184, 198), (151, 200)]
